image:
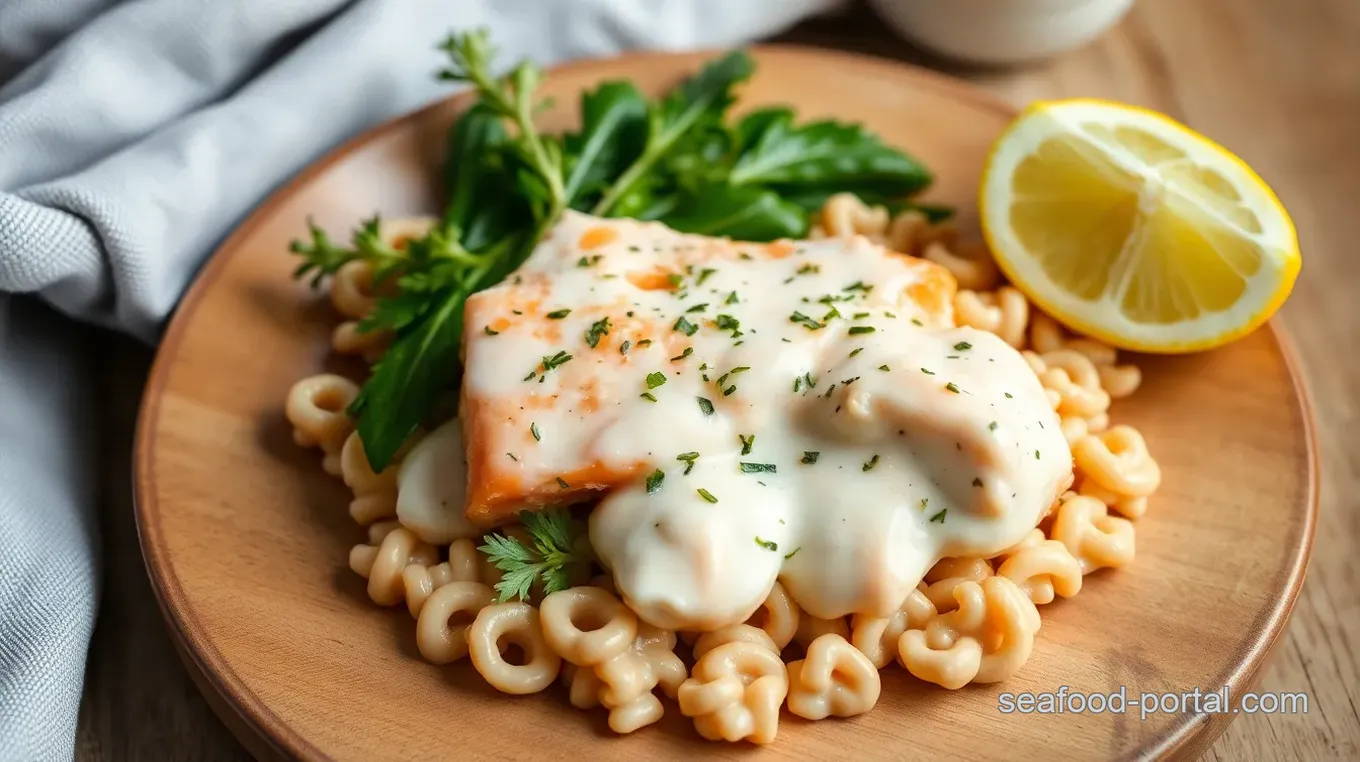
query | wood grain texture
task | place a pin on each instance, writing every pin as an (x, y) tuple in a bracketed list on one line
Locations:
[(1275, 82)]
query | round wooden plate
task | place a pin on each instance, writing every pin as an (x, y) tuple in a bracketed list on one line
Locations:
[(246, 540)]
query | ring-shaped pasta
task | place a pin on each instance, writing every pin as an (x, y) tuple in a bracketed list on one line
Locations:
[(352, 289), (517, 624), (586, 625), (439, 638), (316, 407)]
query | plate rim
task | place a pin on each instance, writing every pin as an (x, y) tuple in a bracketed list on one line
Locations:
[(265, 735)]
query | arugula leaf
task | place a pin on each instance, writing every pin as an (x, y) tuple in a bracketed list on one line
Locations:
[(706, 95), (746, 214), (825, 156), (613, 134)]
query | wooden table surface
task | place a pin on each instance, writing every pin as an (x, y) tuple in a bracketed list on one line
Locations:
[(1276, 82)]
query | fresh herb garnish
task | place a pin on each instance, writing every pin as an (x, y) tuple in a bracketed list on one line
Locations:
[(884, 368), (805, 321), (688, 459), (554, 551), (648, 396), (792, 553), (558, 314), (625, 346), (962, 345), (550, 363), (706, 495), (856, 330), (747, 442), (766, 544), (939, 517), (688, 351), (870, 463), (597, 329), (490, 332), (705, 406), (655, 480), (533, 429), (684, 326), (953, 387), (810, 456), (655, 379), (757, 468)]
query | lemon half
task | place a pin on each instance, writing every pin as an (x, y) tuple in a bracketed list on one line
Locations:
[(1131, 228)]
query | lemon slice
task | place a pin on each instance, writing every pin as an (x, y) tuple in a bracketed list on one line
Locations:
[(1132, 228)]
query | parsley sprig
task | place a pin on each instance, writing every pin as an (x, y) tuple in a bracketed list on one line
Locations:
[(555, 550)]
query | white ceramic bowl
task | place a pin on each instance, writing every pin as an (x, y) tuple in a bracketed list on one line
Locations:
[(1001, 31)]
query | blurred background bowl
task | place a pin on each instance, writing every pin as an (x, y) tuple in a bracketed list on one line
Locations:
[(1001, 32)]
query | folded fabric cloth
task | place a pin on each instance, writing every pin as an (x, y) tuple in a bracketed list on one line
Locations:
[(133, 136)]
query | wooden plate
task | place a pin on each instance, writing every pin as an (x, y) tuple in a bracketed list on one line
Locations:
[(246, 540)]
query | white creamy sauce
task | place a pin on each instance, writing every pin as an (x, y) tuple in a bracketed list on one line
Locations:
[(929, 440), (432, 485)]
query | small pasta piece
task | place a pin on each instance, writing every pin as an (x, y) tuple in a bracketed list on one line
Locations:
[(583, 687), (1004, 313), (908, 232), (1100, 353), (1076, 381), (587, 625), (735, 633), (985, 639), (316, 406), (834, 680), (628, 680), (382, 563), (1043, 571), (1120, 381), (1118, 460), (877, 638), (844, 215), (446, 618), (973, 273), (1129, 507), (501, 626), (1096, 539), (347, 339), (352, 289), (592, 629), (949, 573), (810, 628), (421, 582), (375, 495), (1074, 427), (735, 693), (777, 616), (1045, 335), (1033, 537)]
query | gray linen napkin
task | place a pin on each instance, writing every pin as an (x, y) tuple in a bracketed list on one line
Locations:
[(133, 136)]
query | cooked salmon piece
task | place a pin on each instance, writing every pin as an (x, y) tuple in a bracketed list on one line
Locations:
[(617, 338)]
